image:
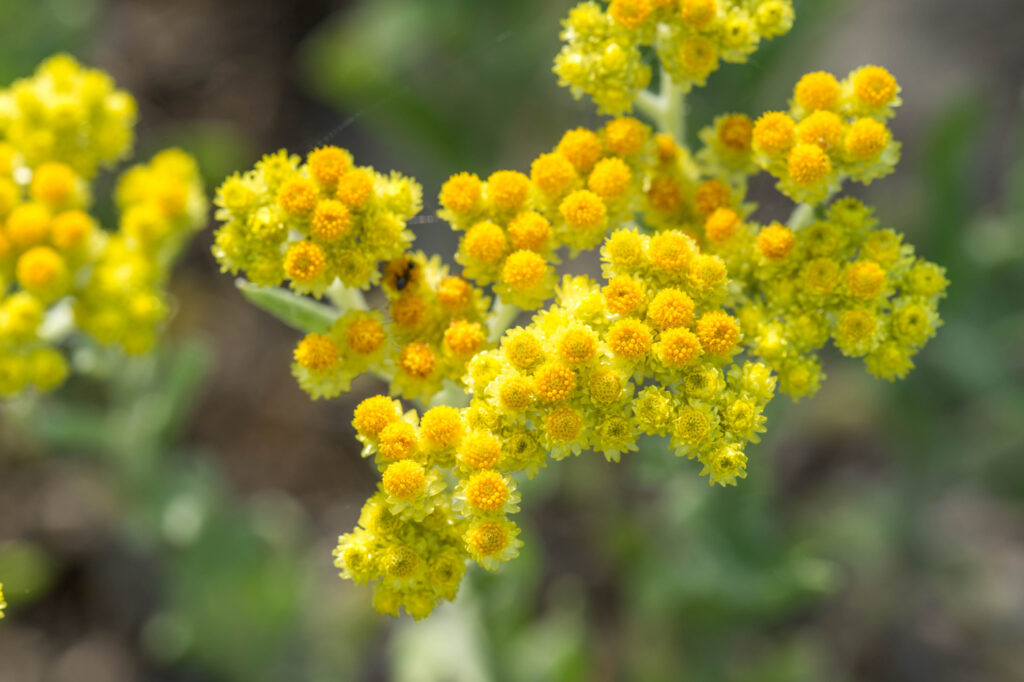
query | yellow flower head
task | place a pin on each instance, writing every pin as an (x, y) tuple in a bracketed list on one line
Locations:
[(479, 450), (42, 271), (417, 360), (515, 393), (563, 424), (374, 413), (823, 128), (610, 178), (405, 480), (53, 183), (508, 189), (866, 279), (817, 90), (630, 13), (461, 193), (398, 440), (28, 225), (442, 427), (721, 225), (808, 164), (718, 333), (671, 251), (328, 164), (577, 344), (774, 133), (304, 262), (583, 210), (625, 136), (365, 336), (71, 229), (355, 188), (775, 242), (874, 86), (711, 195), (523, 349), (485, 242), (463, 337), (553, 382), (316, 352), (698, 13), (552, 173), (629, 338), (678, 347), (529, 230), (866, 139), (581, 147), (297, 197), (487, 491), (671, 308), (454, 293), (524, 270), (623, 294), (331, 220), (735, 132)]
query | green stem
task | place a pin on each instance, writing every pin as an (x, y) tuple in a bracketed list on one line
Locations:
[(667, 109), (501, 318), (801, 217), (346, 298)]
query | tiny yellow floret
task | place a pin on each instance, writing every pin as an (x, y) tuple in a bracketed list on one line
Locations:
[(365, 336), (775, 242), (52, 183), (508, 189), (479, 450), (442, 426), (610, 178), (623, 294), (553, 382), (774, 133), (817, 90), (735, 132), (630, 13), (629, 338), (582, 147), (721, 225), (529, 230), (866, 139), (583, 210), (374, 413), (671, 308), (398, 440), (564, 424), (405, 480), (316, 352), (464, 337), (866, 279), (718, 332), (485, 242), (487, 491), (355, 188), (625, 136), (678, 347), (524, 270), (874, 86), (698, 13), (417, 360), (577, 345), (461, 193), (304, 262), (297, 197), (808, 164), (328, 164)]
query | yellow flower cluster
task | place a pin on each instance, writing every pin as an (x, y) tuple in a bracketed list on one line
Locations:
[(514, 223), (434, 325), (838, 278), (69, 114), (3, 604), (651, 352), (58, 268), (701, 311), (313, 222), (603, 52), (834, 130)]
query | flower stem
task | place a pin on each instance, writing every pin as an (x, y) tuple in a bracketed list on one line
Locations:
[(501, 318), (667, 109)]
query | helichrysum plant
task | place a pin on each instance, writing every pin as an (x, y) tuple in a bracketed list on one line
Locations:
[(700, 315), (64, 279)]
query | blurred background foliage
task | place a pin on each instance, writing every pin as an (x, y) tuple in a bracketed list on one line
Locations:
[(171, 519)]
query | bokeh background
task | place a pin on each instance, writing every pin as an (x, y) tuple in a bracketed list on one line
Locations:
[(172, 521)]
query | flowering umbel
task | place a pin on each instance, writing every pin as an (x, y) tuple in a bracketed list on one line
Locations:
[(59, 269), (699, 315)]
